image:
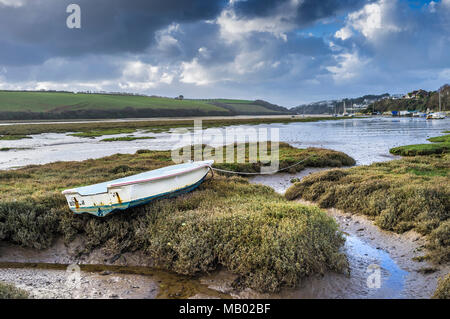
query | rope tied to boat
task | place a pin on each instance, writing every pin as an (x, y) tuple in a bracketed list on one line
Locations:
[(260, 173)]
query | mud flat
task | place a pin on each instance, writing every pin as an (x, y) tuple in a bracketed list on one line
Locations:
[(56, 284), (47, 274)]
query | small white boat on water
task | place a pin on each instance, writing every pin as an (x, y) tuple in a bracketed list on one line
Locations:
[(101, 199), (436, 116)]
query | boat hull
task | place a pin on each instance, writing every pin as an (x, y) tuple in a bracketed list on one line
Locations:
[(126, 195)]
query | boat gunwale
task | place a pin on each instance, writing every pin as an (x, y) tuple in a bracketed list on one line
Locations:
[(158, 177), (73, 191)]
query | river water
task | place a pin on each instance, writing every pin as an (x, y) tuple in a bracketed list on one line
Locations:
[(367, 140)]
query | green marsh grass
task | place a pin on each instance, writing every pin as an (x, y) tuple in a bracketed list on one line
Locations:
[(95, 129), (227, 222), (8, 291), (439, 145), (7, 149), (410, 193), (14, 137), (127, 138), (98, 133), (289, 158), (443, 289)]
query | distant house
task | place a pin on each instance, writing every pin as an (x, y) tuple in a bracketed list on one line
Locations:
[(396, 96), (417, 94)]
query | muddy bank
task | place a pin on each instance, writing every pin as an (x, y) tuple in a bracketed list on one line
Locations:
[(405, 277), (60, 253), (57, 284), (45, 274), (366, 244), (97, 281)]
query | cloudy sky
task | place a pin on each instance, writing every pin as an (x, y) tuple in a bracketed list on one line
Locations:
[(287, 51)]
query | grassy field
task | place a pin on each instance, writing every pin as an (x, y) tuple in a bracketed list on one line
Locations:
[(231, 101), (53, 101), (60, 105), (248, 108), (410, 193), (248, 229)]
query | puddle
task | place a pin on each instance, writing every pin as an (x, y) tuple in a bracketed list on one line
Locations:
[(392, 276)]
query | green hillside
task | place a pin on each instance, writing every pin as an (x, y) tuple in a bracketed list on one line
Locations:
[(56, 105), (55, 101)]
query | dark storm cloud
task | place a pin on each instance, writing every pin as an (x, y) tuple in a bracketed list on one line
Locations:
[(190, 38), (83, 69), (107, 26), (308, 11)]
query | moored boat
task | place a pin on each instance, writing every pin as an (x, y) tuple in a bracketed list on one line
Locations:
[(103, 198), (436, 116)]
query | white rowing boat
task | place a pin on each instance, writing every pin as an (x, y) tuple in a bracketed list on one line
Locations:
[(101, 199)]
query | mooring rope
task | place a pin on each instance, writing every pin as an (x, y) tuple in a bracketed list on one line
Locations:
[(265, 173)]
